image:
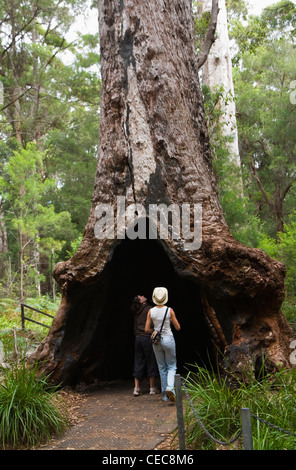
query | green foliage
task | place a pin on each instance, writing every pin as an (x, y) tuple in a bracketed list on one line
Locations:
[(277, 22), (218, 405), (29, 413), (11, 319), (49, 131), (289, 310), (201, 24), (264, 70), (74, 246), (72, 155), (34, 223), (284, 250), (236, 9), (32, 37), (266, 116), (266, 129), (238, 209), (16, 342), (281, 19)]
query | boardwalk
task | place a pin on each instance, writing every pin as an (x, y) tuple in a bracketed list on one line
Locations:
[(111, 418)]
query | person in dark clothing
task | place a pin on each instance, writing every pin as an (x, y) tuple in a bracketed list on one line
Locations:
[(144, 355)]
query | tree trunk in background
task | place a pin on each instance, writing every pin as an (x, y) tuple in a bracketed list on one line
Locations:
[(3, 242), (217, 71), (153, 149)]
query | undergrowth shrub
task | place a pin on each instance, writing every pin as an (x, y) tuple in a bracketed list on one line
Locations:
[(29, 410), (218, 403)]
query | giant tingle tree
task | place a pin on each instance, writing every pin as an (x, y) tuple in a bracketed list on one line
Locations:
[(154, 149)]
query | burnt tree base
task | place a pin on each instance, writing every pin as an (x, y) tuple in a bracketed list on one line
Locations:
[(92, 338), (98, 342)]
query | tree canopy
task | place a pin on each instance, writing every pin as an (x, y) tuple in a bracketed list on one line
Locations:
[(49, 131)]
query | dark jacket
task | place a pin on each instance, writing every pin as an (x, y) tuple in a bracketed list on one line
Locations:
[(140, 312)]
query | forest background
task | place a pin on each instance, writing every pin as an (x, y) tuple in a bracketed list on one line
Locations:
[(49, 121)]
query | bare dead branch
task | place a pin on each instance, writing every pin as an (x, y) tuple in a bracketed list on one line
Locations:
[(259, 183), (35, 13), (210, 38)]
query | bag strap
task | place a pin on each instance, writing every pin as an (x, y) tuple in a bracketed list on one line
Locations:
[(163, 320)]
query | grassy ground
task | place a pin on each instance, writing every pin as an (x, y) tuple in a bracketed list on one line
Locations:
[(217, 402)]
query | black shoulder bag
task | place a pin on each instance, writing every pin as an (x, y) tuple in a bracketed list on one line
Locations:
[(156, 335)]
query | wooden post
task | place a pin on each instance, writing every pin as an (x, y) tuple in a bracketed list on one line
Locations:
[(180, 418), (23, 316), (247, 429)]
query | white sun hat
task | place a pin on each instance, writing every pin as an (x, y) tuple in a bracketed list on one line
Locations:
[(160, 295)]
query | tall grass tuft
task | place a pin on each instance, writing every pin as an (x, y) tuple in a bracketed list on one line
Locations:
[(218, 404), (29, 413)]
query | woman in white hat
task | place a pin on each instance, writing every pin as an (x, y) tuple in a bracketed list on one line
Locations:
[(165, 351)]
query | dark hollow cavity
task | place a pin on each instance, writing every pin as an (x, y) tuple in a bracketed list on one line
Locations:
[(101, 323)]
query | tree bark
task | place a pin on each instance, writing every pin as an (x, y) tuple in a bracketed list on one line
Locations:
[(153, 149)]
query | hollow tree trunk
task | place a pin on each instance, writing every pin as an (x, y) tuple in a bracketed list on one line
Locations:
[(154, 149)]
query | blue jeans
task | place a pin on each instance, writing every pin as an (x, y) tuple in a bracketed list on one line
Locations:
[(165, 353)]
